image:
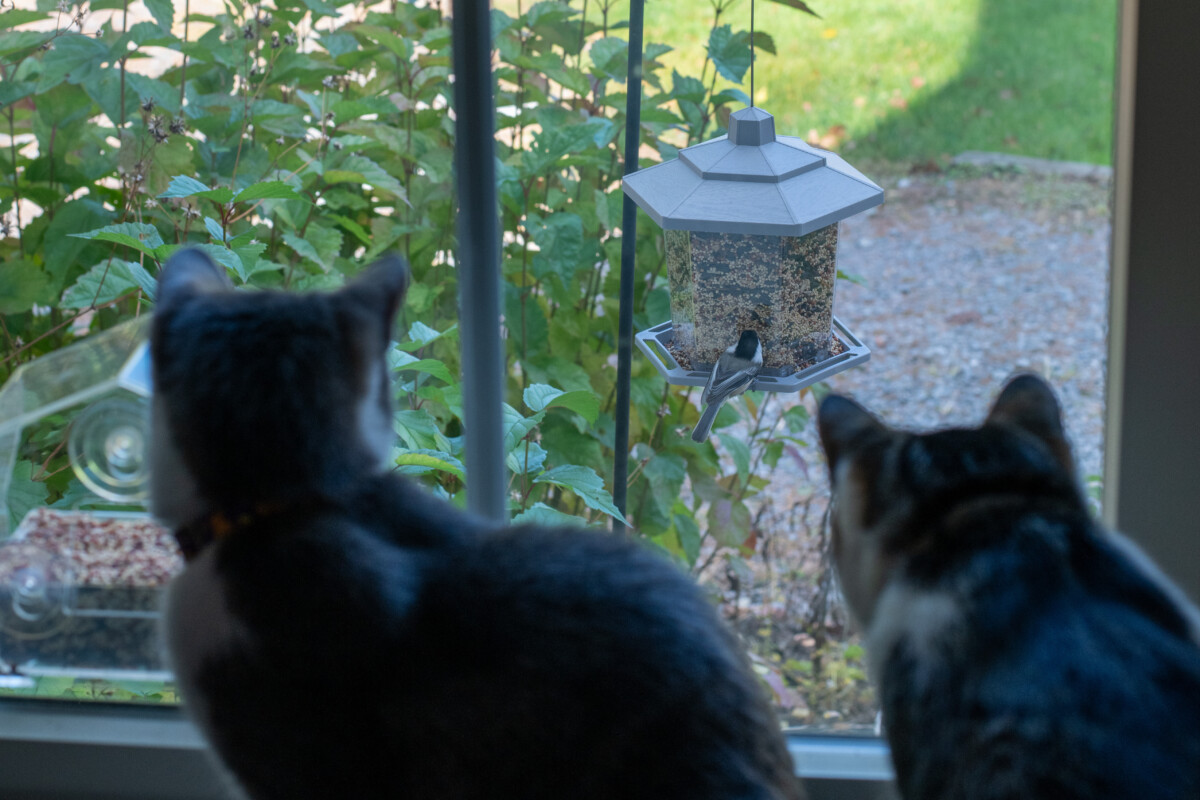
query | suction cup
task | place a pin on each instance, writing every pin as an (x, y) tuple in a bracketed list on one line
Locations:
[(36, 589), (109, 449)]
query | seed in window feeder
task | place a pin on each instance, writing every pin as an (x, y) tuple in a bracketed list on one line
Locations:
[(117, 568)]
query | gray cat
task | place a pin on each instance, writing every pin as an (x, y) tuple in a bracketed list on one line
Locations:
[(340, 633), (1020, 650)]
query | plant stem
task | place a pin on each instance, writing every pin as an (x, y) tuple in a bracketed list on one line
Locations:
[(12, 144), (183, 68)]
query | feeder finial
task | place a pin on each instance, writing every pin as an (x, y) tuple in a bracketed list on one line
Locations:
[(751, 126)]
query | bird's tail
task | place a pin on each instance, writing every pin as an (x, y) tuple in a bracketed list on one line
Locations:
[(704, 426)]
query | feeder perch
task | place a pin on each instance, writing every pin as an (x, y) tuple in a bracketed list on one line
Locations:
[(750, 225)]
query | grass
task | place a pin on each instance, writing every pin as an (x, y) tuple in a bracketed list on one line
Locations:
[(922, 80)]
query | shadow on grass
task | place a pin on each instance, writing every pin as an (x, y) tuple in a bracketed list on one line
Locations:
[(1037, 70)]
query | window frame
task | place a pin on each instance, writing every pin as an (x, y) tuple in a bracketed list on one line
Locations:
[(66, 750)]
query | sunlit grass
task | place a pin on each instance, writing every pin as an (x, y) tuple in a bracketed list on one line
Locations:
[(920, 80)]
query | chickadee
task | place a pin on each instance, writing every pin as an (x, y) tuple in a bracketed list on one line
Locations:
[(734, 371)]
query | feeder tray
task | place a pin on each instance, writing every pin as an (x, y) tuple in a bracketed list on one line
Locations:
[(653, 342)]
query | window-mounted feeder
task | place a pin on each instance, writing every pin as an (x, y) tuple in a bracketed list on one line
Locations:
[(750, 223), (82, 565)]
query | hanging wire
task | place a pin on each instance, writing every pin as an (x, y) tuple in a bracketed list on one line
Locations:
[(753, 54)]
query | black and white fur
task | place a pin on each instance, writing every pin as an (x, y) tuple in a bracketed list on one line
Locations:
[(1020, 650), (352, 636), (733, 373)]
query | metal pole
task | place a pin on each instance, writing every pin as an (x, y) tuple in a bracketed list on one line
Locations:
[(633, 140), (478, 260)]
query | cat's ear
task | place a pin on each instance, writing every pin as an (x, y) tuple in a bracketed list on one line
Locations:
[(841, 422), (190, 271), (1028, 402), (381, 286)]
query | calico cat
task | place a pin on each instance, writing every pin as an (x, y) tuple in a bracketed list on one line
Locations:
[(1019, 649), (339, 632)]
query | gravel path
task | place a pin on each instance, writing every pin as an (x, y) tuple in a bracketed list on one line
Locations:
[(968, 279)]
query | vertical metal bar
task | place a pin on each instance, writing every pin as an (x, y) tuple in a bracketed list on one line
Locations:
[(478, 260), (633, 140)]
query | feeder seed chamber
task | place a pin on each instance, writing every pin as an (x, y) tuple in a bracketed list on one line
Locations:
[(750, 227), (82, 565)]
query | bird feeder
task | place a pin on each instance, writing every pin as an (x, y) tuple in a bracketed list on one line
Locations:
[(750, 227), (82, 565)]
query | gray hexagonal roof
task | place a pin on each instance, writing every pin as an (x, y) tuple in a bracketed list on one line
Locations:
[(752, 181)]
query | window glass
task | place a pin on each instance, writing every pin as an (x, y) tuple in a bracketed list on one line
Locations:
[(989, 256)]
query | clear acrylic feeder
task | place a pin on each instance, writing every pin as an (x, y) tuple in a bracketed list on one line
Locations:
[(750, 227), (82, 565)]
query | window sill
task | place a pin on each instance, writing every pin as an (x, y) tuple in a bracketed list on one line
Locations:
[(65, 750)]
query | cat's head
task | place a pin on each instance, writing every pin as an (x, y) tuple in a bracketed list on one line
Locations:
[(894, 490), (266, 397)]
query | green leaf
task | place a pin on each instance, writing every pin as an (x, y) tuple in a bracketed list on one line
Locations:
[(163, 12), (560, 245), (610, 58), (360, 169), (16, 43), (268, 190), (730, 52), (320, 9), (420, 431), (729, 521), (24, 493), (429, 366), (420, 335), (740, 452), (250, 254), (539, 397), (183, 186), (22, 284), (731, 95), (688, 532), (516, 426), (320, 245), (416, 462), (163, 94), (530, 457), (138, 235), (13, 17), (353, 227), (107, 281), (542, 514), (796, 418), (799, 5), (214, 229), (764, 42), (73, 58), (586, 485)]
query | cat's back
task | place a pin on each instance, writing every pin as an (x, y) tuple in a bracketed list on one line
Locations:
[(499, 663), (1062, 672), (1019, 649)]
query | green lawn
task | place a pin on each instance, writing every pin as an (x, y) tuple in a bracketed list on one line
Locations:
[(920, 80)]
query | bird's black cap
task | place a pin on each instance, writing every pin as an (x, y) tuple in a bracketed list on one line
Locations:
[(746, 345)]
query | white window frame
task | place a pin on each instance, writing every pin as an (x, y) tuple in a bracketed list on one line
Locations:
[(1152, 442)]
